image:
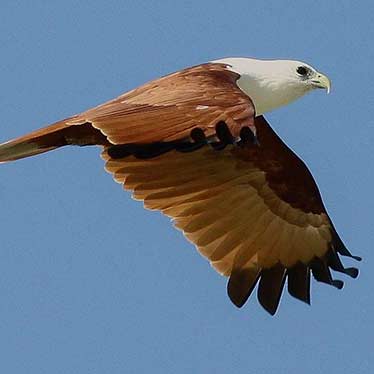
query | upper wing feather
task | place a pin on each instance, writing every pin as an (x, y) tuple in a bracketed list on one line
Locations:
[(168, 108)]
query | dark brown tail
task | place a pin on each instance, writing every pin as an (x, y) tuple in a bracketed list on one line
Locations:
[(51, 137)]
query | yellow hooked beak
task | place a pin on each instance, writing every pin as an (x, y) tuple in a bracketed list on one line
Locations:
[(321, 81)]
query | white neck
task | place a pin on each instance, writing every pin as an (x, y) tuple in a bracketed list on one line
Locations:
[(266, 82)]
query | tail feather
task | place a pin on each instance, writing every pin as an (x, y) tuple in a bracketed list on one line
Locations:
[(49, 138)]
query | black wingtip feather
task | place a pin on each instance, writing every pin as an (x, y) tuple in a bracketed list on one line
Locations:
[(337, 283), (320, 271), (352, 272), (334, 262), (339, 246), (271, 287), (298, 282), (241, 284), (271, 281)]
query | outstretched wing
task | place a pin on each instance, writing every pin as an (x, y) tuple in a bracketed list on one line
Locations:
[(168, 108), (254, 211)]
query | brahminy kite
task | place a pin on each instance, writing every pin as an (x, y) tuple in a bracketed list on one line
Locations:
[(195, 145)]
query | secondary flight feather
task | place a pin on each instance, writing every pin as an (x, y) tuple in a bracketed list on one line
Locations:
[(195, 145)]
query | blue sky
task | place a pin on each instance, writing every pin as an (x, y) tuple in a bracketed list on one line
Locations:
[(90, 282)]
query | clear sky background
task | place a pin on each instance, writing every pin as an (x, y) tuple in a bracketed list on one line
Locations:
[(90, 282)]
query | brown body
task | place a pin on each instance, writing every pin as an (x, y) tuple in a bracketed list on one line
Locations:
[(253, 209)]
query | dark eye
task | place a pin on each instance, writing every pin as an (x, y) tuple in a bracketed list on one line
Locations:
[(302, 70)]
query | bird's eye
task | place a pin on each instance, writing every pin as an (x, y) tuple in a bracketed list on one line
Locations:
[(302, 70)]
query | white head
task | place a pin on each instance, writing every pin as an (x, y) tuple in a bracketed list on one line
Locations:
[(273, 83)]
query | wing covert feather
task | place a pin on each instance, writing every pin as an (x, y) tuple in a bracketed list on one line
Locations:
[(168, 108)]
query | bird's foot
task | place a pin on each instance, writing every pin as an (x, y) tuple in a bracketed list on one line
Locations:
[(224, 136), (247, 136)]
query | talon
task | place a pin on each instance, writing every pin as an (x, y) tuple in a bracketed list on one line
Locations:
[(247, 136), (223, 133), (198, 135)]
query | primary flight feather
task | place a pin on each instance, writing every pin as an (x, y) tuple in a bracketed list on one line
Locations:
[(195, 145)]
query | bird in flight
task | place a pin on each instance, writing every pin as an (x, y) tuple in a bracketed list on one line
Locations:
[(196, 146)]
